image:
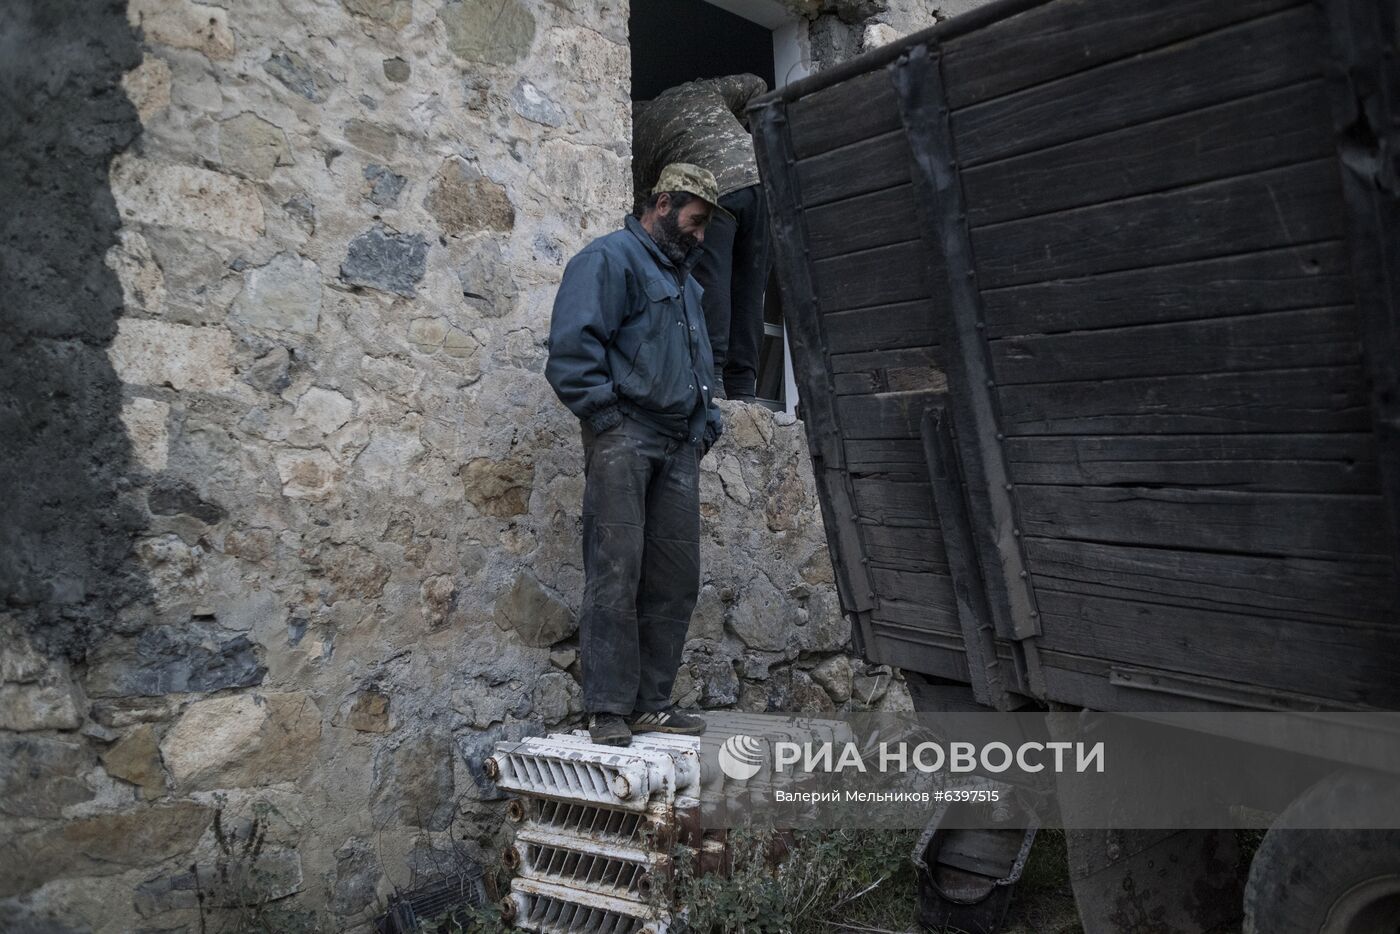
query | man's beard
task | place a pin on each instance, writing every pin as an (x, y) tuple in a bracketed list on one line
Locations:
[(675, 245)]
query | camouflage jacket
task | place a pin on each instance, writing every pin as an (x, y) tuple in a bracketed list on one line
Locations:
[(697, 122)]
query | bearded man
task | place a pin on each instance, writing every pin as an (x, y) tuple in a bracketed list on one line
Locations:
[(629, 355)]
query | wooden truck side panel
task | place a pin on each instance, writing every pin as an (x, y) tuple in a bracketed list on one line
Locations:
[(1105, 249)]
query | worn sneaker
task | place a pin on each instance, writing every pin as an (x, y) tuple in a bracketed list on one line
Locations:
[(669, 720), (608, 729)]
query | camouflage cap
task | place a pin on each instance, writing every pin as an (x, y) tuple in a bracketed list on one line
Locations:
[(682, 176)]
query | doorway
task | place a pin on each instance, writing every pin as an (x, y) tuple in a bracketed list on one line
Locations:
[(674, 41)]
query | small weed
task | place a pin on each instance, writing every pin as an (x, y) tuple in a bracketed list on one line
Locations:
[(859, 878), (236, 895)]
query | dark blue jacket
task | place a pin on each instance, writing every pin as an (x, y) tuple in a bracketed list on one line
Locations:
[(628, 336)]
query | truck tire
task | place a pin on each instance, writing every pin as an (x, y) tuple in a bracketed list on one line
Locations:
[(1309, 881)]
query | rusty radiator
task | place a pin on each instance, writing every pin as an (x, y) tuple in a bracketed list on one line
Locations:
[(595, 830)]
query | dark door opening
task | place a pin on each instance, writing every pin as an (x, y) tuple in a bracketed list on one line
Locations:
[(675, 41)]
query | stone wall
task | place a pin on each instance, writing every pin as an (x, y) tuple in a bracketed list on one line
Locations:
[(293, 530), (842, 29)]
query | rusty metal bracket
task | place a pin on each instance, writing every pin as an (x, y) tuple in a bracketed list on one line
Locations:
[(938, 196)]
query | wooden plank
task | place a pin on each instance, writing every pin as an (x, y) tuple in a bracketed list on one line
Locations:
[(1281, 207), (1151, 689), (1337, 463), (884, 415), (885, 456), (885, 276), (889, 327), (907, 369), (856, 109), (1238, 61), (869, 165), (969, 588), (931, 590), (1264, 131), (895, 504), (1365, 94), (1069, 36), (802, 316), (931, 652), (1323, 399), (1340, 592), (1270, 341), (861, 223), (917, 615), (1312, 276), (938, 194), (906, 548), (905, 358), (1316, 658), (1294, 524), (890, 379)]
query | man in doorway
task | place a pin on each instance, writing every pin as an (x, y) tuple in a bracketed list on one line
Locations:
[(628, 355), (704, 122)]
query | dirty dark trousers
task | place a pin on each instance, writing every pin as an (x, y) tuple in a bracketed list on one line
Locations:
[(733, 269), (641, 560)]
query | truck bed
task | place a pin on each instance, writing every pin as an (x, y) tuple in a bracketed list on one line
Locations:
[(1093, 307)]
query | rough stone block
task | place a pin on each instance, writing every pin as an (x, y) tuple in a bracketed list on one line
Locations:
[(492, 32), (184, 25), (39, 777), (532, 104), (145, 421), (171, 497), (225, 880), (499, 488), (368, 712), (186, 197), (762, 618), (397, 70), (323, 410), (20, 662), (195, 657), (387, 261), (154, 353), (284, 295), (535, 613), (148, 87), (719, 685), (556, 695), (143, 282), (135, 758), (294, 73), (307, 474), (390, 455), (372, 138), (49, 704), (438, 598), (252, 146), (464, 200), (413, 783), (102, 845), (357, 874), (243, 740), (384, 186), (732, 477), (834, 676), (393, 13)]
